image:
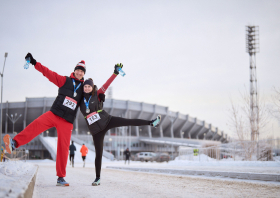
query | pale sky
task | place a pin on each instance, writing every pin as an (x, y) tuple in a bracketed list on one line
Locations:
[(187, 55)]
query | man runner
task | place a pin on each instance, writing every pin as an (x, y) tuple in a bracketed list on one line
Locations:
[(72, 150), (61, 115)]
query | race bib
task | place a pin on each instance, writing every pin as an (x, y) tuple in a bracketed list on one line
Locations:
[(70, 103), (93, 117)]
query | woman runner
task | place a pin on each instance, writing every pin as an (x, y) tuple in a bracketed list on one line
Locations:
[(99, 121)]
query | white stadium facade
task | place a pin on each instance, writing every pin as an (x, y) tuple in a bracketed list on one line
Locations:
[(175, 130)]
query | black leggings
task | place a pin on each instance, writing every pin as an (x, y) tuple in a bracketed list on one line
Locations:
[(71, 156), (98, 138)]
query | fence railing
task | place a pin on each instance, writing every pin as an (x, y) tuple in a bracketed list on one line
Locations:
[(18, 154), (263, 150)]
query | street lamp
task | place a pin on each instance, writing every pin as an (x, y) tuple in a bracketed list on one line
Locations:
[(1, 74), (13, 119), (182, 134), (171, 118), (110, 140), (47, 133), (88, 136)]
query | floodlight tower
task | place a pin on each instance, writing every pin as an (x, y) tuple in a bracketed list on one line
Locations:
[(252, 47)]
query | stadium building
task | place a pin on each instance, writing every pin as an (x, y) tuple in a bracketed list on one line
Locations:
[(175, 130)]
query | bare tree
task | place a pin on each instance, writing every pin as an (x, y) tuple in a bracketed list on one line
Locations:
[(275, 108), (244, 126)]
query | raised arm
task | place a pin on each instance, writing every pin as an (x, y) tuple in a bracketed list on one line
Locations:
[(107, 84), (110, 80), (55, 78)]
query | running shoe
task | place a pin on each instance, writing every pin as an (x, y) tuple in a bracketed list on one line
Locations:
[(9, 143), (61, 182), (96, 182), (156, 121)]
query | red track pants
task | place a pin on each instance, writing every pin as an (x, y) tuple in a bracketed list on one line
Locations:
[(64, 131)]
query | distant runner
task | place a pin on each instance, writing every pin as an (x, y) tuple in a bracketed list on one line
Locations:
[(72, 150), (126, 155), (84, 152)]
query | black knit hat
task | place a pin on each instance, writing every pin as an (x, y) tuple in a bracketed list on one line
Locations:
[(81, 65), (89, 82)]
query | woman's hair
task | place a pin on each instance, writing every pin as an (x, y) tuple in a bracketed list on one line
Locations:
[(94, 90)]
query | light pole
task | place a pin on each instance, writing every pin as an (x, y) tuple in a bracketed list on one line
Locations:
[(171, 118), (47, 133), (182, 134), (15, 149), (88, 136), (1, 74), (13, 119), (110, 140), (253, 47)]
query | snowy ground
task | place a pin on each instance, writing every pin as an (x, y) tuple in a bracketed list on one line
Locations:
[(237, 166), (15, 177), (118, 183), (271, 167)]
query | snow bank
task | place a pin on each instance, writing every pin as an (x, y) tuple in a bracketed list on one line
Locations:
[(277, 158), (15, 178), (191, 157), (204, 160)]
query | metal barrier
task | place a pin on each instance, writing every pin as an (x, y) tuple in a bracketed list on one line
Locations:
[(263, 150), (18, 154)]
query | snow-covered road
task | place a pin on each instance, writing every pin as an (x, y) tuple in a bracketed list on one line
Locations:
[(117, 183)]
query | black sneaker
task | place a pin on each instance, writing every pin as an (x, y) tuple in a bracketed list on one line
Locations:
[(61, 182), (96, 182), (156, 121)]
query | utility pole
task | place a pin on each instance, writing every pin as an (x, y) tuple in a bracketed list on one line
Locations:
[(172, 119), (1, 74)]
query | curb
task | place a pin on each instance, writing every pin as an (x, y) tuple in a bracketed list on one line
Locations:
[(29, 190), (233, 175)]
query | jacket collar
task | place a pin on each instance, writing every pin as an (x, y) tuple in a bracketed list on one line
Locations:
[(73, 76), (87, 95)]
